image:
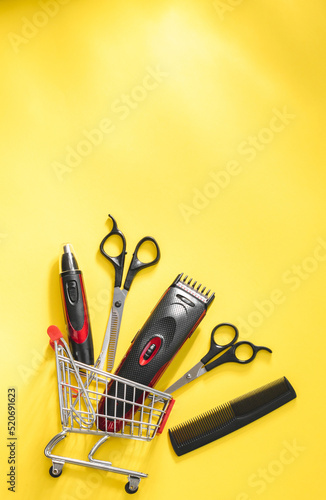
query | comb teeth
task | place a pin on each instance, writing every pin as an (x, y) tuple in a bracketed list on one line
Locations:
[(230, 416), (203, 425), (198, 292)]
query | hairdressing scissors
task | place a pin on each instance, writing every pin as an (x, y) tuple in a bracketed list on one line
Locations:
[(119, 296), (229, 356)]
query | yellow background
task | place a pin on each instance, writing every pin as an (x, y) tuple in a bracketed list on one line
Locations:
[(225, 70)]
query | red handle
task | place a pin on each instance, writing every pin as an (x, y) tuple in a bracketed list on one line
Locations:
[(54, 333)]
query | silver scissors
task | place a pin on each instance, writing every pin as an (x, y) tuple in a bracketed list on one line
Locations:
[(119, 296), (229, 356)]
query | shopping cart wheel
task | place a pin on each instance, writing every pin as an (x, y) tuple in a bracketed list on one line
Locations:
[(54, 472), (132, 485)]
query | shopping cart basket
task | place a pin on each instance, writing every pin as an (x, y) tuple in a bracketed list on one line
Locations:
[(80, 388)]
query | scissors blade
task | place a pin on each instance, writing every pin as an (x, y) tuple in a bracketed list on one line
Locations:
[(189, 376), (112, 330)]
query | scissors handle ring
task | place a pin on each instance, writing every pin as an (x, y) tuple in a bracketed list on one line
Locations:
[(236, 333), (117, 261), (255, 349), (216, 348), (136, 265), (230, 356)]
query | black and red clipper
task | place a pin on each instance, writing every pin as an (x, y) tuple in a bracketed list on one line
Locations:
[(75, 308), (171, 323)]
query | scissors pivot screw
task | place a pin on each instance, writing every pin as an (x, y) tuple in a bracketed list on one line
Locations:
[(117, 303), (188, 376)]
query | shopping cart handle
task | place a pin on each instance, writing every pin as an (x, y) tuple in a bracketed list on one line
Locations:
[(54, 333)]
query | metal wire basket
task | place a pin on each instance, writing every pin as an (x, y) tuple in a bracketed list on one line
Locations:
[(81, 390)]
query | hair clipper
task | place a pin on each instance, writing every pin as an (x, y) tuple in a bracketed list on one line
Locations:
[(172, 321)]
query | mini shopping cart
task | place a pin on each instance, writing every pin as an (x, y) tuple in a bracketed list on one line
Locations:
[(81, 388)]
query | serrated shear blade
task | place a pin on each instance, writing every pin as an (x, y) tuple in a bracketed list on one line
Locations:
[(112, 330)]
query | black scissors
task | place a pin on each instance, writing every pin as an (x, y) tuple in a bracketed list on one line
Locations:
[(119, 296), (229, 356)]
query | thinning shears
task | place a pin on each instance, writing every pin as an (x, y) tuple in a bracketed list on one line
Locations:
[(229, 356), (119, 296)]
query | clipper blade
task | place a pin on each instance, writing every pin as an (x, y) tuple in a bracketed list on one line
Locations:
[(189, 285)]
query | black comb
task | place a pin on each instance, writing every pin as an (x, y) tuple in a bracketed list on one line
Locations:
[(230, 416)]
